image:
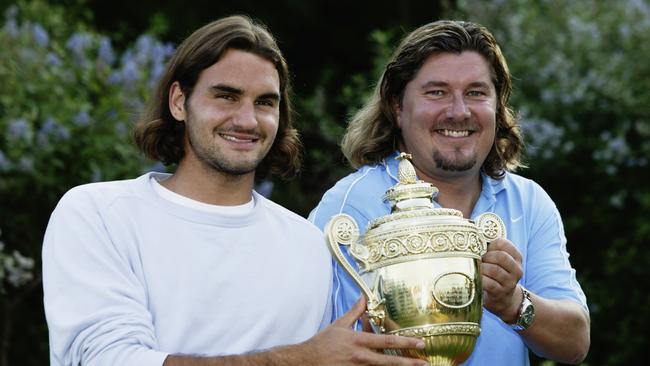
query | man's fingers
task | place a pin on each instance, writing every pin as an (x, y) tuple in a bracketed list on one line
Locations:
[(503, 260), (490, 286), (382, 341), (507, 246), (348, 319), (496, 272)]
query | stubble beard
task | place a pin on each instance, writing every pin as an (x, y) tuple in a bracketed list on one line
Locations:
[(211, 156), (454, 164)]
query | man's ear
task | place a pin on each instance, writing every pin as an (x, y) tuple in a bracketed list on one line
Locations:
[(397, 109), (177, 102)]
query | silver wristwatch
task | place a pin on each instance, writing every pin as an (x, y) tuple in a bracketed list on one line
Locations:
[(526, 312)]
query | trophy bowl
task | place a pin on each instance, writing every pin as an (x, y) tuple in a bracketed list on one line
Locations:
[(419, 269)]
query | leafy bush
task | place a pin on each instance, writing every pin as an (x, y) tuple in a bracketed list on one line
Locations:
[(581, 87), (66, 108)]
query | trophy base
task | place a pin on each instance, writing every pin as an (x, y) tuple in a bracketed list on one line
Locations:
[(432, 360), (440, 361), (448, 344)]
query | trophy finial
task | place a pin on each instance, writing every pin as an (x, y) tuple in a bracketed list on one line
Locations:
[(410, 193), (405, 170)]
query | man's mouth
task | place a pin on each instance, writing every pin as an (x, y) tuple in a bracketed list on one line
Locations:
[(239, 137), (454, 133)]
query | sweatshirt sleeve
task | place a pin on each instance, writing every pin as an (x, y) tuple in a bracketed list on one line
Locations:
[(95, 305)]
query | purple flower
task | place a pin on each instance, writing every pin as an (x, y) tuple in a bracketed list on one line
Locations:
[(168, 50), (127, 56), (82, 119), (52, 128), (40, 35), (78, 43), (159, 52), (53, 60), (18, 130), (130, 74), (62, 133), (156, 72), (11, 12), (144, 47), (11, 27), (144, 42), (120, 128), (134, 103), (28, 54), (115, 77), (96, 176), (48, 126), (26, 164), (105, 52), (618, 145)]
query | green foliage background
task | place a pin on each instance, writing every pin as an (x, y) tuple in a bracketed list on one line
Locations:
[(583, 90), (75, 74)]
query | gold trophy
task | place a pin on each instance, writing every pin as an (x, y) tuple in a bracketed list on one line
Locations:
[(419, 269)]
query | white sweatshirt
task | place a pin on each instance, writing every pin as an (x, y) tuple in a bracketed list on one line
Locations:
[(130, 277)]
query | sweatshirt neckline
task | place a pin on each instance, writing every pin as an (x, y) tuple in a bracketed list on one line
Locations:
[(194, 215)]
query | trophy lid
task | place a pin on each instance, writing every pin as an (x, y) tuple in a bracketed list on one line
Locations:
[(415, 229), (411, 194)]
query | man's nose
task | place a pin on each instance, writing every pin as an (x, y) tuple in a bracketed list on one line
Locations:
[(245, 117), (458, 109)]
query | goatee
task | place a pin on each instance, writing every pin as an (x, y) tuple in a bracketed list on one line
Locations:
[(453, 165)]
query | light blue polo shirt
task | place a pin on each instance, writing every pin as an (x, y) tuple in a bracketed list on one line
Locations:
[(533, 224)]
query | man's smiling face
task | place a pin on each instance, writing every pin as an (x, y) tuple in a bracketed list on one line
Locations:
[(232, 115), (447, 114)]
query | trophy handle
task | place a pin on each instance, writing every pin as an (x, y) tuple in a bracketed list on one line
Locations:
[(343, 230), (490, 227)]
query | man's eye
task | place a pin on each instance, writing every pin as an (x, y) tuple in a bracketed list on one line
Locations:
[(476, 93), (266, 102), (436, 92), (225, 96)]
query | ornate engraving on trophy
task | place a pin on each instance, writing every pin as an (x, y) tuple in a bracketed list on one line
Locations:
[(491, 226), (454, 290), (345, 231)]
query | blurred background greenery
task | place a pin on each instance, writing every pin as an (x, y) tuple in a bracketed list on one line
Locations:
[(75, 73)]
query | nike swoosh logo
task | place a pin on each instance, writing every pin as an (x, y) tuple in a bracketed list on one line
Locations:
[(517, 219)]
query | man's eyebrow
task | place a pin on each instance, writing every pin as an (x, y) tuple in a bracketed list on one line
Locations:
[(437, 83), (226, 89), (480, 84), (432, 83), (223, 88), (271, 96)]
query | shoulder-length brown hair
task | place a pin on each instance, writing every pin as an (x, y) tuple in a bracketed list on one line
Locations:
[(160, 136), (373, 133)]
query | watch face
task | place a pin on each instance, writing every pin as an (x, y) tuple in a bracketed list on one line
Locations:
[(527, 315)]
